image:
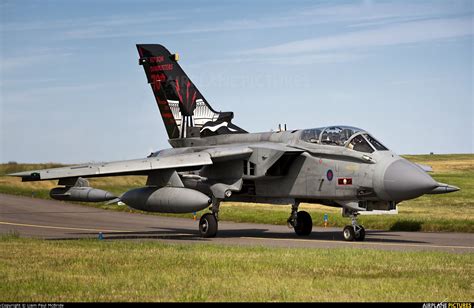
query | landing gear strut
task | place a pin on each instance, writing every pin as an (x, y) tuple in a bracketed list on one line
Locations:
[(354, 231), (301, 221), (208, 224)]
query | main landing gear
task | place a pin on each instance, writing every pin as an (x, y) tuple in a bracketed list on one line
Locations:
[(301, 221), (208, 224), (354, 232)]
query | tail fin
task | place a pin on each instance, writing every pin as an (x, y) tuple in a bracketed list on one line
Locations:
[(185, 112)]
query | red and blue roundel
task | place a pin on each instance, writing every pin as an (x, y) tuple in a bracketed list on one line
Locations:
[(329, 175)]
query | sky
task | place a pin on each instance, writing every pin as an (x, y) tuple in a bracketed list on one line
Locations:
[(72, 90)]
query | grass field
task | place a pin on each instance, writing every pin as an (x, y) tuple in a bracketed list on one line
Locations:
[(449, 212), (92, 270), (118, 270)]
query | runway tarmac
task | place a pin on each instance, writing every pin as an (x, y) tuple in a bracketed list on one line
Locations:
[(53, 220)]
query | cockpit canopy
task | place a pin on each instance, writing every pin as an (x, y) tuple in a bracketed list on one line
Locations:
[(345, 136)]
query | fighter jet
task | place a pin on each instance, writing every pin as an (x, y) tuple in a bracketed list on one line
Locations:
[(213, 160)]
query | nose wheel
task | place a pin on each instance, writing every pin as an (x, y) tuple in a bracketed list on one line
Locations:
[(354, 232)]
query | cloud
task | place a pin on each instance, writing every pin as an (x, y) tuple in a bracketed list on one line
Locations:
[(362, 14), (303, 59), (86, 22), (401, 33), (42, 95), (371, 11), (37, 56), (88, 27), (356, 15)]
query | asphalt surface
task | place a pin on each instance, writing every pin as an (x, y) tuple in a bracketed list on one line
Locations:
[(54, 220)]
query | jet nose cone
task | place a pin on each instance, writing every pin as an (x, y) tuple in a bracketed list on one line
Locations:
[(404, 180)]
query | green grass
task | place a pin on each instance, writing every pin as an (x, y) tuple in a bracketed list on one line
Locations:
[(449, 212), (92, 270)]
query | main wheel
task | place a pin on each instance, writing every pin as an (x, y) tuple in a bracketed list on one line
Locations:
[(304, 224), (361, 235), (208, 225), (349, 233)]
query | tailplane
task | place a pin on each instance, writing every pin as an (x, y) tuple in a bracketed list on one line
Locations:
[(185, 112)]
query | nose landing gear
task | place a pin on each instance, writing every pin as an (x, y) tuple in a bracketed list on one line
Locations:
[(354, 232)]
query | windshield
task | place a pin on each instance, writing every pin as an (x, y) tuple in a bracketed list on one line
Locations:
[(360, 144), (377, 145), (352, 137)]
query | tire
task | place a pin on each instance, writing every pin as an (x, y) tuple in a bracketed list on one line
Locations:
[(304, 224), (208, 225), (348, 233), (361, 236)]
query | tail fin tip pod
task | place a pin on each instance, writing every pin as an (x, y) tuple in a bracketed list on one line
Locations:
[(184, 110)]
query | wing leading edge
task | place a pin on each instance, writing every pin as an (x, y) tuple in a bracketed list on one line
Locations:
[(143, 166), (126, 167)]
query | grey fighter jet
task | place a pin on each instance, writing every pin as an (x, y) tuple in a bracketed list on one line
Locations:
[(213, 160)]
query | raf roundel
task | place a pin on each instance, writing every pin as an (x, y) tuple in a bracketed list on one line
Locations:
[(329, 175)]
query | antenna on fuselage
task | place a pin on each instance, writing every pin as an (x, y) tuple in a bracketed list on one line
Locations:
[(280, 129)]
